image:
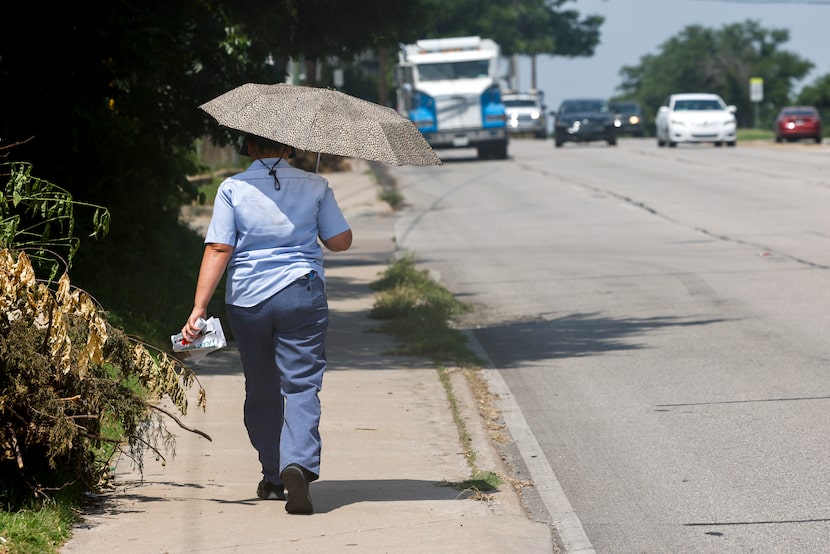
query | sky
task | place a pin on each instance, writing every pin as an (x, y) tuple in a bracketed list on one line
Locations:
[(635, 28)]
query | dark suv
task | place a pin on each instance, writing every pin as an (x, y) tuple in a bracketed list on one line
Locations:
[(629, 118), (584, 120)]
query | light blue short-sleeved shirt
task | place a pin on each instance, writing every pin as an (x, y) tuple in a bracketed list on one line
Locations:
[(274, 233)]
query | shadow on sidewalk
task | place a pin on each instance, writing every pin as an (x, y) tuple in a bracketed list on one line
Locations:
[(328, 496)]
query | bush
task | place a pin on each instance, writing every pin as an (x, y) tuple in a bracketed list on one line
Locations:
[(73, 389)]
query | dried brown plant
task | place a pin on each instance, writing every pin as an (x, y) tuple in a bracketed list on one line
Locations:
[(74, 390)]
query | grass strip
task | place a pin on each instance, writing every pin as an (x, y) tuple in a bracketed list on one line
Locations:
[(417, 311)]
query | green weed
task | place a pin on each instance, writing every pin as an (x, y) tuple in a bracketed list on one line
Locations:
[(418, 312)]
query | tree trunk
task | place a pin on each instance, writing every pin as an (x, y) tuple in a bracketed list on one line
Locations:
[(383, 92)]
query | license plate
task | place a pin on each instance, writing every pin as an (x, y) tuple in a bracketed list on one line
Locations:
[(458, 142)]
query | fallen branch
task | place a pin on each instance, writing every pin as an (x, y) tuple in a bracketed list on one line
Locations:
[(179, 422)]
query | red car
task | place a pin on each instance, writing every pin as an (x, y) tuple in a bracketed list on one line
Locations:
[(798, 122)]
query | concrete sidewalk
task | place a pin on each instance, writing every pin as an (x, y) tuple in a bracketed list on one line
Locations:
[(389, 443)]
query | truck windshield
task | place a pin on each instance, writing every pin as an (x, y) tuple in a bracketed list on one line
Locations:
[(475, 69), (519, 103)]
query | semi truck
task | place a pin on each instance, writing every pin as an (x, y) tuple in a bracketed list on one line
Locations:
[(451, 89)]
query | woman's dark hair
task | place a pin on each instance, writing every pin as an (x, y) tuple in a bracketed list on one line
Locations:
[(261, 142)]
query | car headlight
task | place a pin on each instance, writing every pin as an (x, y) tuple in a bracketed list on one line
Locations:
[(634, 120), (678, 122), (535, 115)]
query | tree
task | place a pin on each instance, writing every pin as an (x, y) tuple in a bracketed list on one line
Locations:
[(817, 94), (721, 61), (521, 26), (528, 27), (121, 82)]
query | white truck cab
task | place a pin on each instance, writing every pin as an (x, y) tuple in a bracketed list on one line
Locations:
[(450, 88)]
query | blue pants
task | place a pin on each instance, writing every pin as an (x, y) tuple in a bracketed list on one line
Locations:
[(282, 345)]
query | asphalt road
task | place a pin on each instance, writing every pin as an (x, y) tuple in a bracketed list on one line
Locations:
[(660, 319)]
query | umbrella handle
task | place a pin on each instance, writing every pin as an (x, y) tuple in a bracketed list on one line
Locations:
[(317, 168)]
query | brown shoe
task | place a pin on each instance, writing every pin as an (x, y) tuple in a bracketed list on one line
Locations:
[(296, 486)]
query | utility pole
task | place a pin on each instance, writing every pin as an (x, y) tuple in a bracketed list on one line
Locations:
[(533, 72)]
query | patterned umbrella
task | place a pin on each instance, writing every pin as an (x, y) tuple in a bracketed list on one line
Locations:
[(322, 120)]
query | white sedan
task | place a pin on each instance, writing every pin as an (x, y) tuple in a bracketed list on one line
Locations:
[(695, 117)]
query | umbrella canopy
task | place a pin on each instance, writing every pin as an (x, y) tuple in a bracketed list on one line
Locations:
[(322, 120)]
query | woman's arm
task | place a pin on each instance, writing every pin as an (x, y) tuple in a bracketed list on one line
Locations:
[(339, 242), (214, 262)]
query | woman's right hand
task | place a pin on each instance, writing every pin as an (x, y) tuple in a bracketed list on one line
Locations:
[(190, 331)]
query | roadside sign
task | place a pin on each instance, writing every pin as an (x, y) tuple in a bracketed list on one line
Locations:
[(756, 89)]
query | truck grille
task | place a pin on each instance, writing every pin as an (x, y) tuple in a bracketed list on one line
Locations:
[(458, 112)]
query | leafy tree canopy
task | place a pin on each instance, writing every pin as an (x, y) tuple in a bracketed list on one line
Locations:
[(817, 94), (120, 82), (721, 61), (522, 26)]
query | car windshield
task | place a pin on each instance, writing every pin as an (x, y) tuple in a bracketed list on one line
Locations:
[(577, 106), (701, 105), (519, 103), (626, 108), (454, 70)]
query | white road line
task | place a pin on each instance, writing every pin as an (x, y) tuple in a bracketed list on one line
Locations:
[(569, 528)]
